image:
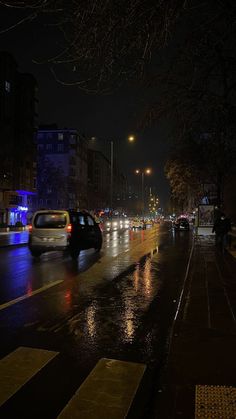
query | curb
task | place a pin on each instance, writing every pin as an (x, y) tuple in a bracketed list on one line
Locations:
[(180, 302), (3, 246)]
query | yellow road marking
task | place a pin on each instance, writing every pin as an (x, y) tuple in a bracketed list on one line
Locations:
[(19, 367)]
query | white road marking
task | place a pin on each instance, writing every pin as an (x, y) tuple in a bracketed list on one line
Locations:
[(26, 296), (107, 392), (19, 367)]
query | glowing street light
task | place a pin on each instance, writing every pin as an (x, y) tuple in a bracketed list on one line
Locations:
[(143, 172), (131, 138)]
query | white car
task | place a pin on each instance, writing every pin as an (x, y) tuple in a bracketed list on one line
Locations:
[(63, 230), (116, 223)]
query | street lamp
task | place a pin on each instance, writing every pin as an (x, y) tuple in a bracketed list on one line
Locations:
[(112, 165), (143, 172), (131, 139)]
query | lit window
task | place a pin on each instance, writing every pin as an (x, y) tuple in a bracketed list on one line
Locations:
[(60, 147), (60, 136), (7, 86), (90, 221), (81, 220)]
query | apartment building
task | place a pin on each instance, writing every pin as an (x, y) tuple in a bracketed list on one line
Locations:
[(18, 124), (61, 168)]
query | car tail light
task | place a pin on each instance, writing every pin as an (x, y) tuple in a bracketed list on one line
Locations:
[(30, 228), (69, 228)]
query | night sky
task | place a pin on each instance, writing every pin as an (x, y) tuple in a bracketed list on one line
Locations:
[(113, 116)]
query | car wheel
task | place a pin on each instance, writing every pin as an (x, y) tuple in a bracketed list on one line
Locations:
[(98, 246), (35, 253), (74, 253)]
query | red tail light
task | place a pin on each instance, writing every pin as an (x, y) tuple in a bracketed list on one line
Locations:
[(69, 228), (30, 228)]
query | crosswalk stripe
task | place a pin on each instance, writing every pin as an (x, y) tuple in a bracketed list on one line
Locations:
[(107, 392), (19, 367)]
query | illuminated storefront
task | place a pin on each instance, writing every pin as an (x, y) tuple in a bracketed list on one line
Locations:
[(17, 208), (17, 214)]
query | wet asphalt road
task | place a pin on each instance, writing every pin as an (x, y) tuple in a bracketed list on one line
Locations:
[(119, 304)]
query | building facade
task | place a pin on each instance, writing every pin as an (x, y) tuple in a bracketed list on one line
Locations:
[(99, 175), (61, 168), (18, 124), (101, 154)]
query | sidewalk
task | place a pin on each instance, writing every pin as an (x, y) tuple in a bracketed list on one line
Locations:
[(200, 378), (13, 238)]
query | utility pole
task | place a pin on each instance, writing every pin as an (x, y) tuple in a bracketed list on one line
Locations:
[(143, 194), (112, 168)]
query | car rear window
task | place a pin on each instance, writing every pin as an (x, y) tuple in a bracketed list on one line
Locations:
[(50, 220), (77, 218)]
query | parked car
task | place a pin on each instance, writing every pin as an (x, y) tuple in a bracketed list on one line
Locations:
[(181, 223), (63, 230)]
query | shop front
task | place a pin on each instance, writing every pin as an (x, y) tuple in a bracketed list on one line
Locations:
[(16, 208), (17, 215)]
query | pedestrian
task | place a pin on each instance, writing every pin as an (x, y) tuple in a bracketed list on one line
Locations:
[(221, 228)]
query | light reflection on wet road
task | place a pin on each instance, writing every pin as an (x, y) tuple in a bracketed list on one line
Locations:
[(94, 313), (22, 275)]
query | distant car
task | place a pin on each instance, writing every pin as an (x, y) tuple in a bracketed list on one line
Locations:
[(63, 230), (149, 223), (181, 223), (137, 223), (115, 223)]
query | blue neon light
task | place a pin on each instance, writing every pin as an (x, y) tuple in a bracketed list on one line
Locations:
[(20, 208), (21, 192)]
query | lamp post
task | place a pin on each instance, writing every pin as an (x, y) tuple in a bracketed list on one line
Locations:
[(112, 165), (131, 139), (143, 172)]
